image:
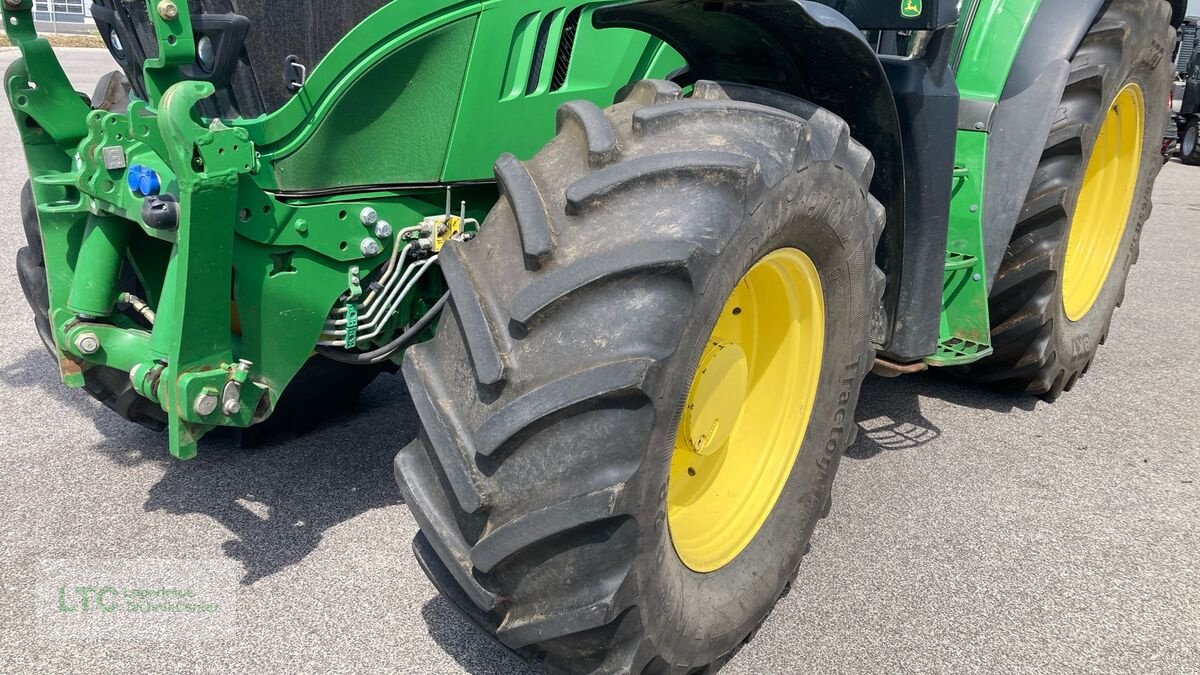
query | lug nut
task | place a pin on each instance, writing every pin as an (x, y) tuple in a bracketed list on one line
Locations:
[(369, 247), (87, 343), (383, 229), (168, 10), (206, 403), (368, 216)]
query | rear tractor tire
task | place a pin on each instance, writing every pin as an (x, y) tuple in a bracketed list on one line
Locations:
[(1067, 264), (633, 414)]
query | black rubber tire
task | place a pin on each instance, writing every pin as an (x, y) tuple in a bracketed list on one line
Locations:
[(31, 268), (1189, 143), (1038, 349), (550, 396), (321, 387)]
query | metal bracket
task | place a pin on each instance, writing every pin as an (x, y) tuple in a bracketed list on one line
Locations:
[(351, 326), (975, 115)]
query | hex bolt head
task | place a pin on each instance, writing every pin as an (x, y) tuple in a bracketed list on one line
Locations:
[(206, 403), (369, 247), (168, 10), (87, 343), (368, 216), (383, 229)]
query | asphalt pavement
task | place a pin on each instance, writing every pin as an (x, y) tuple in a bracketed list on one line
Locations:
[(971, 531)]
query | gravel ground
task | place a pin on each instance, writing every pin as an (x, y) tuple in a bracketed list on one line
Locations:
[(971, 531)]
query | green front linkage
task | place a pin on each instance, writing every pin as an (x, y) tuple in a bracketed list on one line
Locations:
[(263, 253)]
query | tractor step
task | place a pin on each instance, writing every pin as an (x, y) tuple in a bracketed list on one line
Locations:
[(965, 333)]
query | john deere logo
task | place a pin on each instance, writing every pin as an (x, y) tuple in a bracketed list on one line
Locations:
[(911, 8)]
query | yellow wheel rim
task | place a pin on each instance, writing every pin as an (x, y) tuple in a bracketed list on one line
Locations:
[(747, 410), (1105, 202)]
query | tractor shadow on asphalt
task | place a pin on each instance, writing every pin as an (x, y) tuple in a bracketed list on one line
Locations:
[(889, 410), (889, 416), (277, 497), (475, 651), (280, 496)]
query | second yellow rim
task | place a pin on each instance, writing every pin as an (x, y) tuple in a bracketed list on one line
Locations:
[(747, 410), (1105, 202)]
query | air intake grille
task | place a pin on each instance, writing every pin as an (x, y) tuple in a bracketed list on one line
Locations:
[(562, 64)]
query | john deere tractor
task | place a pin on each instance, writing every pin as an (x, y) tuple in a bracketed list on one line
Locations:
[(633, 259)]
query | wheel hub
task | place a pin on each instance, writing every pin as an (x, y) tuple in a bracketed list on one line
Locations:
[(716, 399)]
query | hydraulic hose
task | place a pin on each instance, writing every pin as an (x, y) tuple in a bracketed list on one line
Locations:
[(377, 356)]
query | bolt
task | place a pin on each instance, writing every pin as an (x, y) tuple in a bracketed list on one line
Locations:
[(425, 243), (168, 10), (87, 343), (979, 126), (974, 208), (369, 247), (206, 403), (977, 277), (231, 401), (383, 229), (368, 216), (13, 4), (301, 226)]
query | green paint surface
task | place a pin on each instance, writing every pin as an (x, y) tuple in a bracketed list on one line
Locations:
[(393, 124)]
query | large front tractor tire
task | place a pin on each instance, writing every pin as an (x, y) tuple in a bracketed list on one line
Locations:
[(1065, 270), (633, 415)]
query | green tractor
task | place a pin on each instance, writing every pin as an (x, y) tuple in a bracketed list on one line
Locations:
[(636, 340)]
